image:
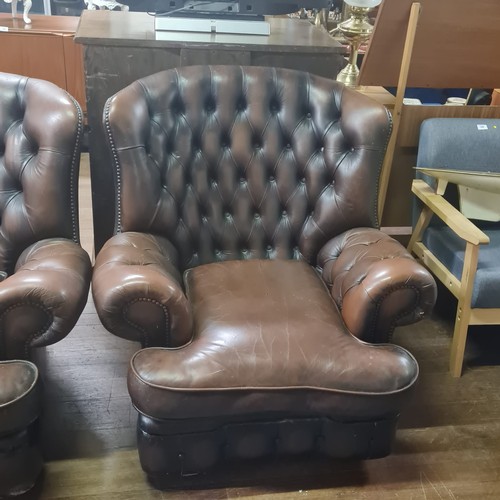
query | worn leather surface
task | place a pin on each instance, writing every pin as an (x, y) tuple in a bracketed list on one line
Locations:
[(375, 282), (20, 405), (268, 338), (20, 395), (232, 163), (138, 292), (48, 273)]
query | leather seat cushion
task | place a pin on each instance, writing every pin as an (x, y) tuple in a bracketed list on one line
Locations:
[(268, 339), (20, 395)]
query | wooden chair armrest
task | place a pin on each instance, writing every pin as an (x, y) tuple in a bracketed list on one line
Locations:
[(452, 217)]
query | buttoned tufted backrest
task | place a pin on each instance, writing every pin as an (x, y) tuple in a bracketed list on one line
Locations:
[(235, 162), (40, 131)]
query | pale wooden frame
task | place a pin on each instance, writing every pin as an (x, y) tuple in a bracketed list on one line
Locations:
[(435, 203)]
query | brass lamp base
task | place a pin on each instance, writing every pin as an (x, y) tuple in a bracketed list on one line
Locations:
[(349, 75)]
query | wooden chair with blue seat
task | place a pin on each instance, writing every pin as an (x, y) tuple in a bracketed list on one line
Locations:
[(460, 242)]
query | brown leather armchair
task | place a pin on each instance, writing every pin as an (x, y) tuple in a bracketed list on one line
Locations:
[(45, 273), (247, 260)]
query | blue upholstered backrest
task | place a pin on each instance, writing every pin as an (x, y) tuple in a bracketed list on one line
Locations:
[(460, 144)]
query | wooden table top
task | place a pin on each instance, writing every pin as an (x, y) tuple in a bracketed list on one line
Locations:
[(136, 29), (39, 24)]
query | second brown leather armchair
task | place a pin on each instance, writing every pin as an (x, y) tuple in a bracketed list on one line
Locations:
[(45, 274), (259, 186)]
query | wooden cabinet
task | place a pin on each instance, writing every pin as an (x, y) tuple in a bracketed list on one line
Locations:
[(45, 49)]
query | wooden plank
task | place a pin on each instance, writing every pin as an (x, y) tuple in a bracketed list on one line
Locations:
[(46, 50), (191, 57), (454, 47), (454, 219), (379, 94), (85, 207), (485, 317), (30, 55), (73, 64), (451, 282), (313, 63), (495, 97), (39, 24), (398, 106), (463, 309)]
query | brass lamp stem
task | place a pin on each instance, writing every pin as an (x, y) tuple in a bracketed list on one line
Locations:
[(355, 30)]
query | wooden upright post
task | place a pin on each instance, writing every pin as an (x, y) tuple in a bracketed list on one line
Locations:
[(398, 106)]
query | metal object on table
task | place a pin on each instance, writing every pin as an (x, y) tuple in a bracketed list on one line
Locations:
[(105, 4), (356, 30)]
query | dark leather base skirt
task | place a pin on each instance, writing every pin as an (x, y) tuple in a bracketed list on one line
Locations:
[(20, 461), (200, 454)]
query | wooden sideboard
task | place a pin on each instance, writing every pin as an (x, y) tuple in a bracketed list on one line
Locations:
[(120, 47), (44, 49)]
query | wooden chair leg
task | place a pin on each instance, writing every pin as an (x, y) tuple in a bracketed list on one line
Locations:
[(463, 309), (459, 339), (421, 225)]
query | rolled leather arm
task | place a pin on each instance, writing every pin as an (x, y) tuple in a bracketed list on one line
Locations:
[(376, 283), (41, 302), (137, 291)]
